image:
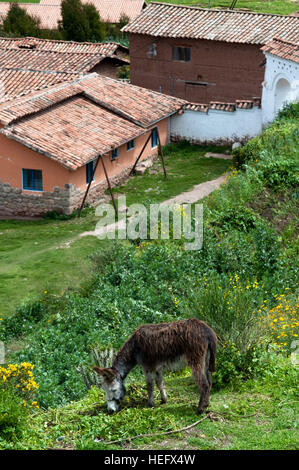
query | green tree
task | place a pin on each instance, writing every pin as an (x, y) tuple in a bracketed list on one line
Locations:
[(19, 23), (97, 29), (80, 22)]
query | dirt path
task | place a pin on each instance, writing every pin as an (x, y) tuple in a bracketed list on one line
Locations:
[(195, 194)]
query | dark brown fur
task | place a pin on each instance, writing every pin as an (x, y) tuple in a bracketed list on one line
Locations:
[(155, 347)]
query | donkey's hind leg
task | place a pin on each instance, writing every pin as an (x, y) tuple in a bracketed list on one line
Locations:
[(150, 383), (203, 382), (160, 385)]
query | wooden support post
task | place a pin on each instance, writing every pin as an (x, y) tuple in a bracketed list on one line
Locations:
[(109, 185), (139, 156), (161, 153), (87, 189)]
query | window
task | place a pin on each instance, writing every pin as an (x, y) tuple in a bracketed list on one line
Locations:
[(32, 180), (89, 171), (115, 153), (183, 54), (155, 138), (131, 145)]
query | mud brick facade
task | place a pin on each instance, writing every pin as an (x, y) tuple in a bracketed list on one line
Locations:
[(217, 70), (203, 55)]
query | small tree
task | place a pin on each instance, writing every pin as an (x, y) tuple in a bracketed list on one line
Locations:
[(96, 29), (123, 20), (80, 22), (19, 23), (74, 23)]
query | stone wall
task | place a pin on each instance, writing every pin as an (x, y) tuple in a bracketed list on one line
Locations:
[(15, 202)]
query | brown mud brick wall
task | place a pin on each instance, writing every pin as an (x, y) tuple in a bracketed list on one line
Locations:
[(231, 70)]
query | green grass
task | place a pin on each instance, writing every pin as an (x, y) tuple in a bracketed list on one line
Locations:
[(186, 167), (257, 415), (33, 254), (279, 7), (33, 257)]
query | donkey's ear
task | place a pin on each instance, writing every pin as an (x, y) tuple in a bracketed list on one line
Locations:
[(107, 373)]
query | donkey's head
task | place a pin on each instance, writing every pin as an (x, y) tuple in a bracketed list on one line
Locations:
[(113, 385)]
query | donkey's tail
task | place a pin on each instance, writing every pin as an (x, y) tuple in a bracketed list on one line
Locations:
[(212, 350)]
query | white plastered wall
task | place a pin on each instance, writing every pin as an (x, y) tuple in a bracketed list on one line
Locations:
[(217, 126), (281, 86)]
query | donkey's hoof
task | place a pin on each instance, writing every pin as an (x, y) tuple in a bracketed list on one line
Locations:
[(150, 405), (200, 411), (163, 401)]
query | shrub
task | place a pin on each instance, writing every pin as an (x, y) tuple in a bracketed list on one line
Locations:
[(280, 172), (17, 388), (19, 23), (238, 218), (13, 415)]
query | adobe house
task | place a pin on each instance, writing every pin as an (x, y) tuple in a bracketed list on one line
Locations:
[(203, 55), (56, 143), (67, 57)]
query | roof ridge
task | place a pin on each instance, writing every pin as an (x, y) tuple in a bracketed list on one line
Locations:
[(45, 51), (49, 72), (216, 10), (64, 41), (285, 41)]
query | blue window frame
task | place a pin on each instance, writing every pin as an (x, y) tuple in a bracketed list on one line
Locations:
[(131, 145), (155, 138), (32, 180), (89, 171), (115, 153)]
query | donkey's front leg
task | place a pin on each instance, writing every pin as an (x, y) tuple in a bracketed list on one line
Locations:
[(150, 382)]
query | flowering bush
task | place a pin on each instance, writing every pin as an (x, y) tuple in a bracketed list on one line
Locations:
[(282, 320), (20, 379), (17, 387)]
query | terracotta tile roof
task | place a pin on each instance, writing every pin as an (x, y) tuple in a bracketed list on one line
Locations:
[(47, 60), (37, 101), (284, 49), (109, 49), (73, 132), (140, 105), (15, 82), (49, 11), (221, 106), (179, 21), (73, 122)]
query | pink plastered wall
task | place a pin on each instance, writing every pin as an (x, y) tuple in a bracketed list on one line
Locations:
[(15, 156)]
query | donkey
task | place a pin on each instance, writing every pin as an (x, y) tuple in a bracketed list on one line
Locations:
[(156, 347)]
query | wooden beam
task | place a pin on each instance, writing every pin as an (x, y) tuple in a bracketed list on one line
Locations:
[(139, 156), (161, 153), (109, 185), (89, 184)]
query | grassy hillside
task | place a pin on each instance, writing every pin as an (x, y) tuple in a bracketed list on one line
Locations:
[(244, 283), (279, 7)]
